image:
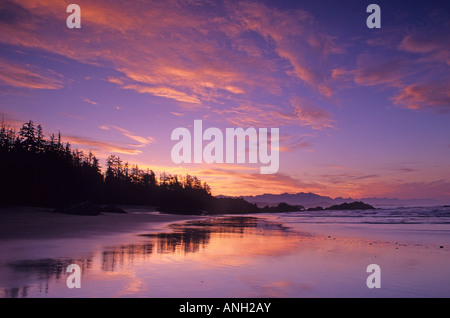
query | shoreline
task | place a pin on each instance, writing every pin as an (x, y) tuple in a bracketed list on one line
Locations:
[(22, 222), (218, 258)]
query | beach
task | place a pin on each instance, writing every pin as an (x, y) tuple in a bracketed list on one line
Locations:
[(37, 223), (148, 254)]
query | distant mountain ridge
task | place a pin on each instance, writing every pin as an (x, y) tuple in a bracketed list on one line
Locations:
[(312, 200)]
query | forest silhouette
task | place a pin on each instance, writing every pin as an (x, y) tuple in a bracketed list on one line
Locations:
[(35, 171)]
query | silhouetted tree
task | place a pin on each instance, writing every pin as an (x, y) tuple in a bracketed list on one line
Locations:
[(35, 171)]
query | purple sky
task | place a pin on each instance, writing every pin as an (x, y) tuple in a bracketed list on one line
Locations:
[(361, 112)]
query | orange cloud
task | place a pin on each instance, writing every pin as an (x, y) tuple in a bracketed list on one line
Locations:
[(10, 120), (140, 42), (236, 179), (231, 181), (141, 140), (114, 80), (165, 92)]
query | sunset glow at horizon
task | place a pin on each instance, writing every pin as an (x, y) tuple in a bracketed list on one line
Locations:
[(361, 112)]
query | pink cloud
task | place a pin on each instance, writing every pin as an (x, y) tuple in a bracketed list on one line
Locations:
[(308, 114), (103, 146), (435, 96), (166, 92), (144, 41), (295, 36), (301, 112), (431, 46), (407, 77), (142, 141), (290, 143), (87, 100), (373, 71), (28, 76)]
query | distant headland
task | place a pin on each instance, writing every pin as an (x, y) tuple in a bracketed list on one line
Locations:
[(312, 200)]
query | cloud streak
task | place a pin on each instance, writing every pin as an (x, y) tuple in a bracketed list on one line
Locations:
[(87, 100), (103, 146), (28, 76), (142, 141), (143, 42), (417, 72), (435, 96), (301, 112)]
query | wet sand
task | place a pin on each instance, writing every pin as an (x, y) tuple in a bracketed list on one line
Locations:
[(148, 254), (40, 223)]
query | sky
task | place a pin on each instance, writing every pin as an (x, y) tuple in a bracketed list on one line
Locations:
[(361, 112)]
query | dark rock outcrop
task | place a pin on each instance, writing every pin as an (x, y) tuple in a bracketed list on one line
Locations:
[(283, 207), (357, 205), (317, 208)]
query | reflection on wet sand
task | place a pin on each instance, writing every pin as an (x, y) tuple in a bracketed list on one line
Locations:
[(190, 236), (16, 292), (236, 256), (121, 254), (187, 237), (43, 271)]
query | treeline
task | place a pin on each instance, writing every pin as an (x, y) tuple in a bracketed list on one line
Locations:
[(36, 171), (49, 173)]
